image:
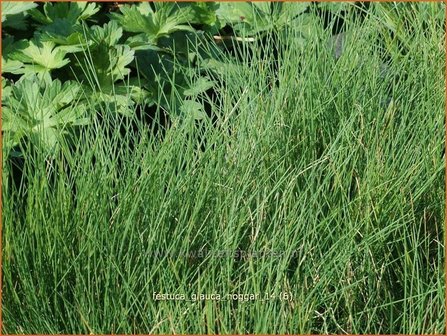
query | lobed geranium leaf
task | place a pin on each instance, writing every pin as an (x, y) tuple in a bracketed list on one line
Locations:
[(170, 17), (14, 14), (193, 109), (166, 19), (142, 42), (122, 97), (15, 7), (308, 24), (106, 59), (38, 57), (41, 111), (204, 12), (109, 34), (136, 19), (16, 22), (64, 33), (221, 68), (14, 128), (251, 18), (247, 17), (12, 121), (285, 12), (71, 11), (120, 57), (9, 65), (199, 86), (108, 63)]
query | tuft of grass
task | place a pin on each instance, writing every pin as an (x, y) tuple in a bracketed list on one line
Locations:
[(331, 167)]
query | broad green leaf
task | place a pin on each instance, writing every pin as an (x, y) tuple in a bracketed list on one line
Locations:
[(115, 103), (285, 12), (251, 18), (109, 64), (106, 61), (236, 12), (16, 7), (122, 97), (142, 42), (167, 18), (133, 89), (6, 88), (9, 65), (204, 12), (193, 109), (199, 86), (132, 20), (246, 17), (9, 46), (263, 6), (14, 128), (120, 57), (39, 57), (64, 32), (184, 45), (308, 25), (71, 11), (41, 111), (221, 68), (16, 22), (109, 34), (12, 121), (154, 66), (14, 14)]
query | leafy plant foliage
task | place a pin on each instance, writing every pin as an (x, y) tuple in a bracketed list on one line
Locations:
[(41, 111), (156, 55)]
